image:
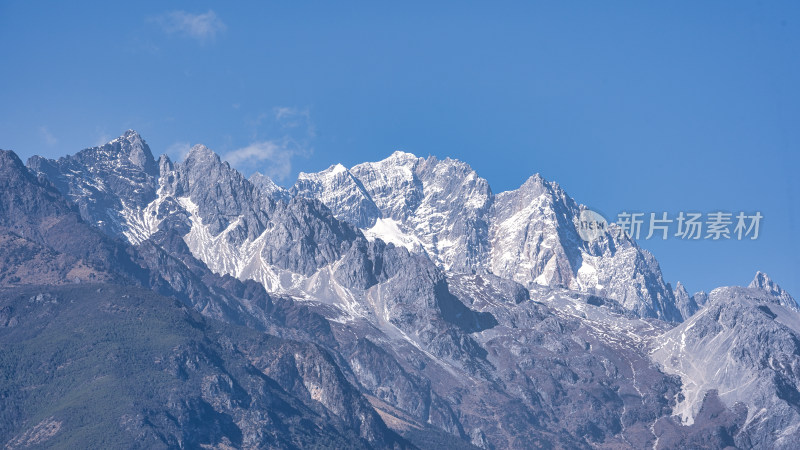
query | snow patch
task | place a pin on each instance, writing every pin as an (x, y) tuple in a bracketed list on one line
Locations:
[(388, 230)]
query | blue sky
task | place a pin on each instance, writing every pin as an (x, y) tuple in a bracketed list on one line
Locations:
[(635, 106)]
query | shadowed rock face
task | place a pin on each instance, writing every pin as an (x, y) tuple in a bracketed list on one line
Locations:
[(225, 212), (402, 292)]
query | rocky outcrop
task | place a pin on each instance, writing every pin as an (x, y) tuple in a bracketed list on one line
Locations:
[(685, 303)]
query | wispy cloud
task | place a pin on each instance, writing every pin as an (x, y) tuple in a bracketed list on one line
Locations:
[(47, 136), (297, 118), (102, 137), (273, 156), (179, 150), (201, 27)]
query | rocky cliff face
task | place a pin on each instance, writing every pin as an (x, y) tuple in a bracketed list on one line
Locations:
[(268, 187), (147, 371), (534, 239), (340, 191), (744, 346)]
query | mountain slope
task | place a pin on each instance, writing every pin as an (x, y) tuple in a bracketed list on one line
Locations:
[(108, 366), (744, 345), (33, 213)]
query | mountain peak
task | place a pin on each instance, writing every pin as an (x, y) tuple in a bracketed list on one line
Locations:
[(11, 168), (333, 170), (9, 158), (129, 145), (265, 184), (536, 178), (402, 156), (130, 135), (200, 152), (534, 186), (685, 303), (763, 282)]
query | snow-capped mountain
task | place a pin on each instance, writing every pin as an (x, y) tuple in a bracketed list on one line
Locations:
[(109, 183), (437, 207), (237, 229), (534, 236), (413, 296), (341, 192), (440, 208), (530, 235)]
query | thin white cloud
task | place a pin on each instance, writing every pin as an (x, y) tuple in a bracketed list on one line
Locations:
[(201, 27), (274, 157), (179, 150), (102, 139), (278, 137), (291, 117), (282, 112), (47, 136)]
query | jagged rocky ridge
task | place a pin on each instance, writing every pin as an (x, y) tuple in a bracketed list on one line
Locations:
[(435, 341), (529, 235), (440, 208)]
